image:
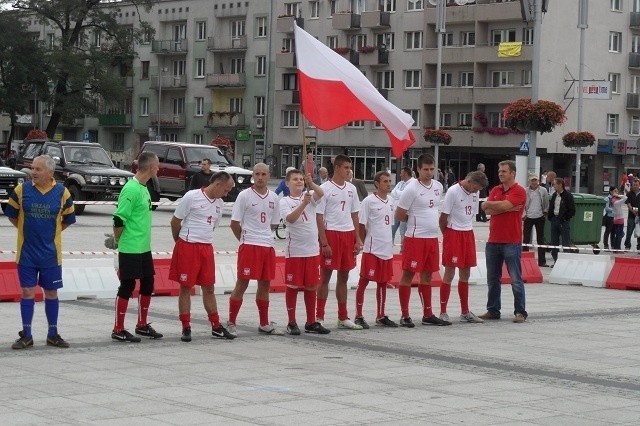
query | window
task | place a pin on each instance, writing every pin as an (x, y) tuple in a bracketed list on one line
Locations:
[(261, 26), (495, 119), (332, 7), (201, 30), (237, 29), (635, 43), (445, 119), (237, 65), (614, 80), (261, 65), (413, 40), (51, 40), (260, 106), (171, 137), (415, 5), (198, 139), (179, 67), (612, 124), (314, 9), (179, 32), (356, 124), (615, 42), (199, 110), (447, 39), (145, 70), (200, 72), (527, 36), (97, 38), (635, 84), (616, 5), (526, 77), (288, 45), (384, 80), (387, 39), (446, 79), (415, 114), (357, 41), (147, 36), (501, 78), (144, 107), (292, 9), (465, 119), (235, 105), (466, 79), (117, 144), (468, 38), (634, 125), (499, 36), (387, 5), (635, 6), (332, 42), (290, 118), (290, 81), (178, 105), (412, 79)]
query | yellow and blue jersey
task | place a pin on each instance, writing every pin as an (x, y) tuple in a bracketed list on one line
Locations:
[(40, 217)]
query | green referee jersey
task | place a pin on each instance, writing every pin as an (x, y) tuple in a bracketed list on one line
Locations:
[(134, 208)]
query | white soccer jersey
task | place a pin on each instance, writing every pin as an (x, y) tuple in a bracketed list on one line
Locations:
[(302, 235), (421, 203), (337, 204), (461, 206), (256, 213), (200, 216), (377, 217)]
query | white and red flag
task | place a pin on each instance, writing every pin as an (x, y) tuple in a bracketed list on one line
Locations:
[(333, 93)]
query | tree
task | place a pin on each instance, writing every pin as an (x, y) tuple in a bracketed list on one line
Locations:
[(22, 68), (90, 53)]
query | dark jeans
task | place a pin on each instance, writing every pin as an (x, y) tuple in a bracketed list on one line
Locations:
[(609, 236), (528, 226), (508, 254), (560, 230), (631, 224), (617, 234), (481, 216)]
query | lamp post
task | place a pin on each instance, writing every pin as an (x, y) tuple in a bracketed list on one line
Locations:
[(441, 9), (161, 72), (583, 14)]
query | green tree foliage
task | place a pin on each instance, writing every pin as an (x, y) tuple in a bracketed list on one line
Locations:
[(90, 53)]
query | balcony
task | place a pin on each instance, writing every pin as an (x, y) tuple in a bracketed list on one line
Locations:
[(231, 10), (284, 24), (286, 60), (634, 20), (27, 120), (486, 53), (634, 60), (377, 58), (114, 120), (167, 120), (346, 21), (455, 14), (223, 44), (376, 20), (500, 95), (287, 97), (633, 101), (169, 82), (172, 14), (448, 95), (486, 10), (170, 47), (452, 55), (217, 119), (75, 123), (226, 80)]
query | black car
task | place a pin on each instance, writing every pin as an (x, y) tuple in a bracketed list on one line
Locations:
[(9, 179), (85, 168)]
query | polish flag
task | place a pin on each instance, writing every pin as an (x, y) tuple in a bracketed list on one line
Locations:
[(333, 93)]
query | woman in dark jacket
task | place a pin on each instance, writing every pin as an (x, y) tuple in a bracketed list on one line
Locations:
[(561, 210)]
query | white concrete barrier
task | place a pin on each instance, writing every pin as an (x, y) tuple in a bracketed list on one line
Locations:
[(478, 274), (88, 278), (589, 270)]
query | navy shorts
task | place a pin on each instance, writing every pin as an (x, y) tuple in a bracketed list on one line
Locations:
[(47, 278)]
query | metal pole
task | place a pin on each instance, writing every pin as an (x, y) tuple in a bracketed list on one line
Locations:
[(440, 29), (535, 81), (582, 24), (158, 138)]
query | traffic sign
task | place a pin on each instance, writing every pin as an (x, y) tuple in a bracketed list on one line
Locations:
[(524, 146), (85, 137)]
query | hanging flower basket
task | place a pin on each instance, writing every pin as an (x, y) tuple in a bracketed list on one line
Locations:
[(525, 116), (342, 50), (36, 134), (367, 49), (578, 139), (437, 136)]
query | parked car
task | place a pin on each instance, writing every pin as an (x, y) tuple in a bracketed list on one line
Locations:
[(85, 168), (180, 161), (9, 179)]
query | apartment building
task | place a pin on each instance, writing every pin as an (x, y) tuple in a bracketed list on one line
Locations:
[(227, 68)]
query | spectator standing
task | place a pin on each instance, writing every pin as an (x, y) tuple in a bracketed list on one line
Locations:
[(458, 242), (551, 177), (323, 175), (616, 202), (192, 263), (360, 187), (405, 179), (535, 216), (607, 219), (451, 178), (375, 219), (282, 187), (505, 204), (132, 235), (11, 159), (482, 216), (40, 209), (561, 210), (633, 202), (202, 178), (310, 166)]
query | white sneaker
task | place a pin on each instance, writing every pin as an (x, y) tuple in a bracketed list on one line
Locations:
[(444, 317), (231, 328), (271, 330), (471, 317), (348, 324)]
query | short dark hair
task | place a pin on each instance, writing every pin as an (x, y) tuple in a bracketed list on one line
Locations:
[(407, 170), (145, 160), (207, 160), (559, 181), (425, 159), (341, 159), (291, 173), (379, 175), (509, 163), (219, 176)]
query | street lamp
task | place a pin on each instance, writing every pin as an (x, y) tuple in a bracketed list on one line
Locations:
[(441, 8), (583, 14), (160, 74)]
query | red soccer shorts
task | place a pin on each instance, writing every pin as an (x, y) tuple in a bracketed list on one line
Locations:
[(192, 263), (256, 263), (458, 249), (342, 257), (420, 255), (302, 272), (373, 268)]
